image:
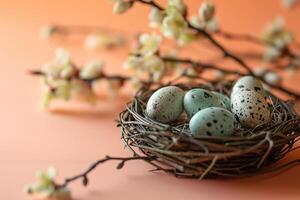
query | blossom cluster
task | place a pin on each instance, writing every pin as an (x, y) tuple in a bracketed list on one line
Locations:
[(46, 188), (276, 39), (206, 18), (63, 80), (171, 21), (147, 61)]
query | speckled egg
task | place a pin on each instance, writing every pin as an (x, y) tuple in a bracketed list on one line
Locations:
[(248, 83), (250, 108), (166, 104), (225, 99), (198, 99), (212, 121)]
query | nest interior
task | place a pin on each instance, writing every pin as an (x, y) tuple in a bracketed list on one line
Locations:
[(170, 147)]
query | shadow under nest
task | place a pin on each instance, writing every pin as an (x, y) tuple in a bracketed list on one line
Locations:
[(171, 148)]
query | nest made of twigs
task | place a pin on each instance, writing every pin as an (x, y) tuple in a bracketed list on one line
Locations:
[(170, 147)]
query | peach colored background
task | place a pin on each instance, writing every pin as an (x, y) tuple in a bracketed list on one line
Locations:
[(75, 134)]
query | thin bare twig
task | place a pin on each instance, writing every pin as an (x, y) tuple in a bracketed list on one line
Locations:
[(84, 175)]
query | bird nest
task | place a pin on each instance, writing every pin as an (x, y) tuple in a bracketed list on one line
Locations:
[(172, 149)]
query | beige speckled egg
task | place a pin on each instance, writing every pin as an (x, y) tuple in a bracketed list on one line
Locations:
[(250, 108), (212, 121), (166, 104), (247, 83)]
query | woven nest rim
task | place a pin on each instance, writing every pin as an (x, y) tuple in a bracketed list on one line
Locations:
[(171, 149)]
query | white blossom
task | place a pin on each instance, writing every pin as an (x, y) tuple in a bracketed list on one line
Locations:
[(67, 72), (60, 67), (178, 5), (156, 17), (149, 44), (276, 35), (133, 62), (45, 187), (259, 71), (206, 18), (272, 78), (92, 70), (136, 83), (196, 21), (173, 24), (271, 53)]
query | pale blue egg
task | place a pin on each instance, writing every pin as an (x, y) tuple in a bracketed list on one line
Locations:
[(198, 99), (225, 99), (166, 104), (212, 121)]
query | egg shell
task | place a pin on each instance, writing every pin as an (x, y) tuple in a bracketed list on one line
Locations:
[(212, 121), (166, 104), (198, 99), (248, 83), (225, 99), (250, 108)]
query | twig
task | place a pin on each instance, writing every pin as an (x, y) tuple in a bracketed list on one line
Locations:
[(76, 76), (84, 175), (240, 37), (202, 65)]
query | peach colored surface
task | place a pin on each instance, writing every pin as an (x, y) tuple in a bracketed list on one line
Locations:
[(75, 135)]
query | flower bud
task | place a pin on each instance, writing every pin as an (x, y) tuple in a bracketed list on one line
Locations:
[(212, 26), (272, 78), (289, 3), (259, 71), (271, 54), (219, 75), (62, 56), (47, 31), (67, 72), (122, 6), (206, 11), (156, 17)]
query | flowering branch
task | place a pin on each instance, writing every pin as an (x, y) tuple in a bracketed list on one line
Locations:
[(120, 78), (226, 71)]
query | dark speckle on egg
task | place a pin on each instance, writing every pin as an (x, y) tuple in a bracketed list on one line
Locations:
[(248, 112), (221, 122)]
